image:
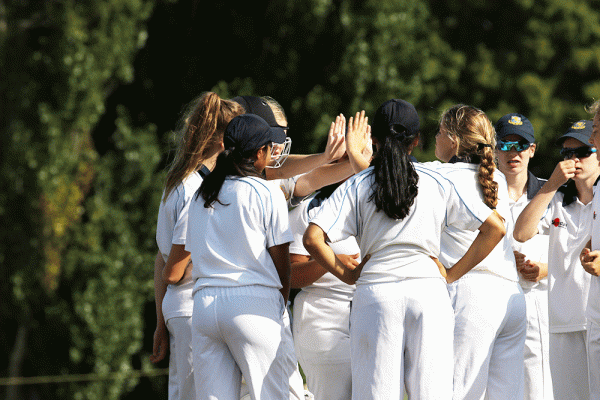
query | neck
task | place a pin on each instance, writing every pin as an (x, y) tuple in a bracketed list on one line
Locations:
[(585, 189), (517, 185), (211, 158)]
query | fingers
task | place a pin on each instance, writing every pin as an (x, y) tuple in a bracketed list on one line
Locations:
[(440, 266)]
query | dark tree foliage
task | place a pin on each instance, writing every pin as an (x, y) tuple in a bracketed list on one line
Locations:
[(92, 91)]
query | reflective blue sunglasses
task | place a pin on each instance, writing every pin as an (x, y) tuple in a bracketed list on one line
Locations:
[(507, 146), (579, 152)]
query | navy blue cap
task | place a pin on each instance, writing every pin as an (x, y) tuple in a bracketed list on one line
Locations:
[(395, 112), (580, 130), (514, 124), (258, 106), (249, 132)]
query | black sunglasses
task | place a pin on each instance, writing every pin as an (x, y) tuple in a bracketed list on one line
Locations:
[(579, 152)]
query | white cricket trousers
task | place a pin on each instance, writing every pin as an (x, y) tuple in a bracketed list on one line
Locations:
[(322, 343), (240, 330), (297, 391), (181, 370), (401, 334), (593, 338), (538, 380), (489, 337), (568, 364)]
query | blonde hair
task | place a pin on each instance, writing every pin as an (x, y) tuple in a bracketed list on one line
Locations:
[(203, 126), (476, 138), (276, 108), (594, 108)]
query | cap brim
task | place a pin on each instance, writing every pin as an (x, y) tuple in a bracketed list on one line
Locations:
[(278, 133), (582, 138)]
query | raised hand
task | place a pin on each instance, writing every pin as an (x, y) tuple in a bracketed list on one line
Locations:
[(336, 141)]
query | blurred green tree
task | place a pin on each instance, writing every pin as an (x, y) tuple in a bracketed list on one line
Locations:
[(78, 226)]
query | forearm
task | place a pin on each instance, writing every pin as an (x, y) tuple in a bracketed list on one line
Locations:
[(526, 226), (281, 258), (314, 241), (305, 273), (321, 177), (160, 288), (296, 164)]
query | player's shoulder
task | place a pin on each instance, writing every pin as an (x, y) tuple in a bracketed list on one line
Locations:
[(190, 185), (255, 186)]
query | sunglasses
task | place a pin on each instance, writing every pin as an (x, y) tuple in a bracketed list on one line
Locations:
[(507, 146), (579, 152)]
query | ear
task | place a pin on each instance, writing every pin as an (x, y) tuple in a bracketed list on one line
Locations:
[(532, 150), (414, 144)]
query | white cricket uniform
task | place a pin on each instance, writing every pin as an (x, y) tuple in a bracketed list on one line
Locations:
[(177, 304), (489, 305), (322, 318), (568, 222), (401, 318), (538, 380), (593, 306), (238, 324)]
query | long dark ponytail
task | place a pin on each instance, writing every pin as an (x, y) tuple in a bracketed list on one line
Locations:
[(396, 181)]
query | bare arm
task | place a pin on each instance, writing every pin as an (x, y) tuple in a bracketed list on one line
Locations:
[(161, 336), (321, 177), (281, 258), (178, 264), (297, 164), (490, 234), (306, 271), (526, 226), (315, 242)]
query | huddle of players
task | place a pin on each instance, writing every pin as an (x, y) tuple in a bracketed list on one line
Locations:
[(517, 312)]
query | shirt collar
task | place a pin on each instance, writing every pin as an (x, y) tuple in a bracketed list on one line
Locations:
[(204, 171), (569, 190), (470, 159), (534, 184)]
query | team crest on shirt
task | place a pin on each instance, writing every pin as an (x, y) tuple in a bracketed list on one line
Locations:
[(594, 214), (558, 223), (515, 120), (578, 125)]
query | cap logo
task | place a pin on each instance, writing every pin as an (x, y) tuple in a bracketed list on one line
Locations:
[(578, 125), (515, 120)]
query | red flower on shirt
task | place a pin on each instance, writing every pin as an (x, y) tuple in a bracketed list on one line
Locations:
[(555, 222)]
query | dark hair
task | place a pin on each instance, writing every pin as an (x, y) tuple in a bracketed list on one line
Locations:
[(396, 181), (203, 125), (229, 162)]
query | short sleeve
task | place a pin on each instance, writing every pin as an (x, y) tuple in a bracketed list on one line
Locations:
[(546, 220), (298, 218), (277, 229), (465, 213), (338, 215), (182, 213)]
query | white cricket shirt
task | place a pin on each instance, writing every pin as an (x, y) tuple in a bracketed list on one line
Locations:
[(535, 249), (398, 249), (229, 240), (569, 227), (456, 241), (593, 305), (328, 285), (171, 228)]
